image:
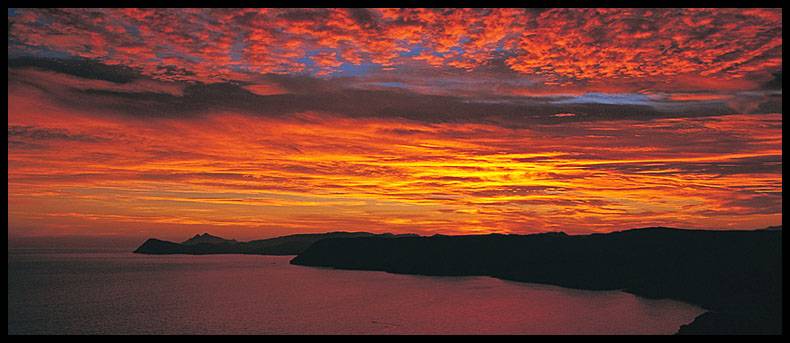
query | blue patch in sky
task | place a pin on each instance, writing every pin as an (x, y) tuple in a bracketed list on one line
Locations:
[(41, 52), (352, 70), (237, 48), (132, 30), (172, 53), (237, 54), (458, 49), (309, 65), (608, 99), (413, 51), (306, 59)]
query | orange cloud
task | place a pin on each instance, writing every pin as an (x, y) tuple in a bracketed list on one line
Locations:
[(256, 122), (251, 176), (698, 97)]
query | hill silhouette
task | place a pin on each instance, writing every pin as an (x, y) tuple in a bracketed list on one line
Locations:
[(206, 238), (735, 275), (207, 244)]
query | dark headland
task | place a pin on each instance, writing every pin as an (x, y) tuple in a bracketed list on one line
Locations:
[(735, 275), (206, 244)]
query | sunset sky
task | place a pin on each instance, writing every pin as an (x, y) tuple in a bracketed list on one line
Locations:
[(258, 123)]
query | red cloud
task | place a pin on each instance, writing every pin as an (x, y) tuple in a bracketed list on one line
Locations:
[(560, 45)]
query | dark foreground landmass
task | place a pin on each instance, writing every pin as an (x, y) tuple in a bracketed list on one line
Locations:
[(735, 275), (206, 244)]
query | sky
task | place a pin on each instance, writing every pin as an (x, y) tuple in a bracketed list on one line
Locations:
[(251, 123)]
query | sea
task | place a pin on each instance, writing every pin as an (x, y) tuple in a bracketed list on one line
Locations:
[(113, 291)]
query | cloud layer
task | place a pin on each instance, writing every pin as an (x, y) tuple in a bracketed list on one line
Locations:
[(235, 173), (562, 45), (257, 122)]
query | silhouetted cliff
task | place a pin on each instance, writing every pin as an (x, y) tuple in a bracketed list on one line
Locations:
[(736, 275), (207, 244), (207, 239)]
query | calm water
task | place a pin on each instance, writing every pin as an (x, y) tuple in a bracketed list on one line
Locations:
[(113, 292)]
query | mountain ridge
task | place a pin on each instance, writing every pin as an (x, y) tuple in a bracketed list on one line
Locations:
[(207, 238), (207, 244)]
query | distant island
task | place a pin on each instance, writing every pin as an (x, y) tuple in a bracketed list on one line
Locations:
[(735, 275), (206, 244)]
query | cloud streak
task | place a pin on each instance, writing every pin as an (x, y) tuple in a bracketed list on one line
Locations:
[(319, 172), (253, 122)]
